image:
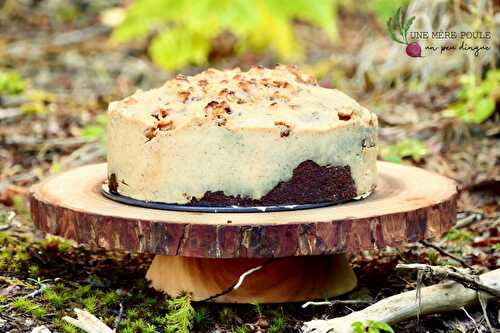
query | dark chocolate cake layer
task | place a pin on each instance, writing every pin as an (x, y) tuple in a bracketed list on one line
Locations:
[(310, 183)]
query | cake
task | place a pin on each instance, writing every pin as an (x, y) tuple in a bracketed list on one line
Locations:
[(261, 137)]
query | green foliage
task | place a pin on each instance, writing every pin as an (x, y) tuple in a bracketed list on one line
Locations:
[(277, 325), (459, 236), (476, 99), (409, 148), (111, 298), (371, 326), (226, 315), (240, 329), (187, 28), (258, 309), (53, 297), (97, 131), (90, 304), (201, 318), (11, 83), (399, 24), (38, 102), (69, 328), (179, 318), (25, 305), (384, 9)]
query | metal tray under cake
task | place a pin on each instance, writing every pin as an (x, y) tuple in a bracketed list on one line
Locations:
[(215, 209)]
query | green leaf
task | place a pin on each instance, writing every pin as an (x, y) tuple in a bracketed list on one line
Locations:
[(11, 83), (400, 23), (408, 26), (381, 326), (357, 327), (483, 110), (390, 29), (409, 148), (476, 100)]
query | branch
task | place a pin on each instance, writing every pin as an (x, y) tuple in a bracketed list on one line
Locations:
[(446, 253), (87, 322), (441, 297), (468, 280)]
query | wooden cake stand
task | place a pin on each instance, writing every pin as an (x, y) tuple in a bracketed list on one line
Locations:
[(297, 255)]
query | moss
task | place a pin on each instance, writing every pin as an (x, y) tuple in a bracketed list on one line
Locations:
[(54, 298), (277, 325), (90, 304), (240, 329), (68, 328), (226, 315), (201, 318), (110, 298), (180, 315), (25, 305)]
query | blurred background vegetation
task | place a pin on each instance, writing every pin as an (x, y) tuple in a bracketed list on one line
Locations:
[(62, 62)]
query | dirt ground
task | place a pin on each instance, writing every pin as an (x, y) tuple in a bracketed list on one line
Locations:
[(72, 72)]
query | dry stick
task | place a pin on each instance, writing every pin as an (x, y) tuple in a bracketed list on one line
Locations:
[(337, 301), (437, 298), (118, 318), (468, 280), (468, 220), (239, 282), (446, 253), (87, 322)]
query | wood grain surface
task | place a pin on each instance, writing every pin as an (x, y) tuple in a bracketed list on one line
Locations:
[(409, 204), (289, 279)]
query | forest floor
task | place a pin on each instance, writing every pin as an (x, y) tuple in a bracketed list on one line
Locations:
[(55, 123)]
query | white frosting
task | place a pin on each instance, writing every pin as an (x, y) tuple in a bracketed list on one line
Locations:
[(241, 133)]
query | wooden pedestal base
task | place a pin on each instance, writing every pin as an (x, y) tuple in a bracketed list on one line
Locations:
[(288, 279)]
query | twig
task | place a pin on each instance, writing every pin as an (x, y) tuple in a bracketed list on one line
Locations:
[(472, 319), (239, 282), (335, 302), (468, 220), (448, 296), (118, 318), (446, 253), (87, 322), (8, 221), (467, 280), (38, 291)]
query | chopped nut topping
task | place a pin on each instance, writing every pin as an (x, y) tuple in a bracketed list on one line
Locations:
[(218, 106), (244, 85), (160, 113), (183, 96), (285, 128), (203, 83), (225, 93), (265, 82), (280, 84), (165, 125), (345, 115), (150, 133), (277, 95)]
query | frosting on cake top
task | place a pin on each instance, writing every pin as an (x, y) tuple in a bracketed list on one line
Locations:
[(260, 98)]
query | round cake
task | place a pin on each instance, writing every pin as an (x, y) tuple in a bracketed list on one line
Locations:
[(225, 138)]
